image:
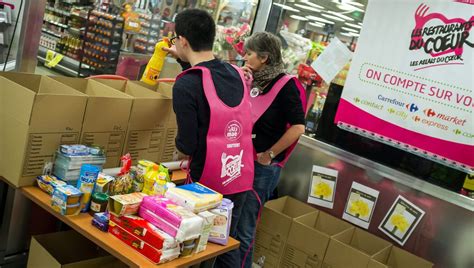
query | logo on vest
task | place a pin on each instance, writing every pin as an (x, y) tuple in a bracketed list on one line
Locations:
[(231, 167), (233, 130)]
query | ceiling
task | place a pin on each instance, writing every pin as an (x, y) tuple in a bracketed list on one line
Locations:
[(343, 16)]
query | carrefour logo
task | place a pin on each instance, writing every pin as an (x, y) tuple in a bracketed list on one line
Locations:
[(233, 130)]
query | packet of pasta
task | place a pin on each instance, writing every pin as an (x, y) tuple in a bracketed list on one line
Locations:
[(123, 182)]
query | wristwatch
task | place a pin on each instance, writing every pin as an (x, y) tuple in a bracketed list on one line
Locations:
[(271, 154)]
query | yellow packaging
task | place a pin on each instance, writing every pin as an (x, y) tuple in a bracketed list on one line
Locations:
[(154, 66)]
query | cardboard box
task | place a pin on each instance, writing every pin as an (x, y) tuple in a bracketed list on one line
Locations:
[(398, 258), (169, 149), (274, 228), (153, 254), (106, 117), (145, 231), (126, 204), (353, 248), (48, 251), (37, 115), (309, 238), (148, 119)]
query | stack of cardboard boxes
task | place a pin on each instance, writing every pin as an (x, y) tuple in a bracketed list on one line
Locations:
[(39, 113), (294, 234)]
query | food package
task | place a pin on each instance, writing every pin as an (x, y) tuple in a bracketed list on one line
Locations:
[(103, 183), (208, 218), (153, 254), (221, 227), (126, 204), (123, 183), (66, 200), (145, 231), (101, 221), (74, 150), (48, 183), (188, 248), (175, 220), (195, 197), (86, 184)]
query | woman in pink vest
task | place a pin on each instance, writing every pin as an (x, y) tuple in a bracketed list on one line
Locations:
[(278, 102)]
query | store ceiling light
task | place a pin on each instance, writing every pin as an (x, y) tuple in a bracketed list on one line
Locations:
[(296, 17), (308, 7), (353, 25), (286, 7), (350, 29), (305, 2), (316, 24), (332, 17), (347, 18), (346, 34), (360, 23), (354, 34), (349, 8), (354, 3), (318, 19)]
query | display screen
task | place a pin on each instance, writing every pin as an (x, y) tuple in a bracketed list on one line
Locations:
[(328, 132)]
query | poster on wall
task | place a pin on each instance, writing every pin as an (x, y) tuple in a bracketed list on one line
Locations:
[(360, 205), (401, 220), (411, 79), (323, 187)]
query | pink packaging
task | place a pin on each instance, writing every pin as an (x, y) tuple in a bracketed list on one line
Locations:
[(174, 220)]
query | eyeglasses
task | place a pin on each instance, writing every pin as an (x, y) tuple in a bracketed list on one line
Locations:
[(173, 40)]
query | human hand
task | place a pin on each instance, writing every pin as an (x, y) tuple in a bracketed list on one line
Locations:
[(248, 74), (172, 51), (264, 159)]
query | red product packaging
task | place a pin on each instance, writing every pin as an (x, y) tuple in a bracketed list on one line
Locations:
[(153, 254), (145, 231)]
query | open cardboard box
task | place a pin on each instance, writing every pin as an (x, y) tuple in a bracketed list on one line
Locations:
[(353, 248), (309, 238), (37, 114), (274, 228), (106, 117), (49, 251), (148, 119), (169, 152), (398, 258)]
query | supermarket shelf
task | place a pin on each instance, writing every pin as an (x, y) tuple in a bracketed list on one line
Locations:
[(50, 33), (57, 24), (67, 65), (59, 11)]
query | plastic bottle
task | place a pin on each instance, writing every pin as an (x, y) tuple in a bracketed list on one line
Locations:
[(154, 66)]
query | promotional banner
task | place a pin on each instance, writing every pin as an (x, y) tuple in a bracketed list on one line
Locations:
[(411, 79)]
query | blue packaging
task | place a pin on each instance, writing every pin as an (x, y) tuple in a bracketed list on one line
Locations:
[(86, 184)]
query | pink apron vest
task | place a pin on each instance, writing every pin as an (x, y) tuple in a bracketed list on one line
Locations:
[(229, 165), (261, 103)]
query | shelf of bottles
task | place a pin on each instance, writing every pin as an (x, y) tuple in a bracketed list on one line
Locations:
[(148, 35), (102, 42), (63, 29)]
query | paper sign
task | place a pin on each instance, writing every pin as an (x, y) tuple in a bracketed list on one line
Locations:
[(52, 59), (401, 220), (332, 60), (323, 187), (411, 86), (360, 205)]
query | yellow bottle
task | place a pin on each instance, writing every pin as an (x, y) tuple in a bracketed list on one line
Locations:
[(149, 181), (154, 66)]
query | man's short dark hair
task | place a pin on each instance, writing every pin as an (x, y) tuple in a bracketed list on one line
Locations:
[(198, 27)]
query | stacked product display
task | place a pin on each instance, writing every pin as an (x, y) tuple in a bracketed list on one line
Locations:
[(140, 205), (149, 33), (102, 42)]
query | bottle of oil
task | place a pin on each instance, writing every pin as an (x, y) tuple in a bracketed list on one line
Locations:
[(154, 66)]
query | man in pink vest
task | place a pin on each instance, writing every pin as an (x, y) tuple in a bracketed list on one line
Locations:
[(212, 106)]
